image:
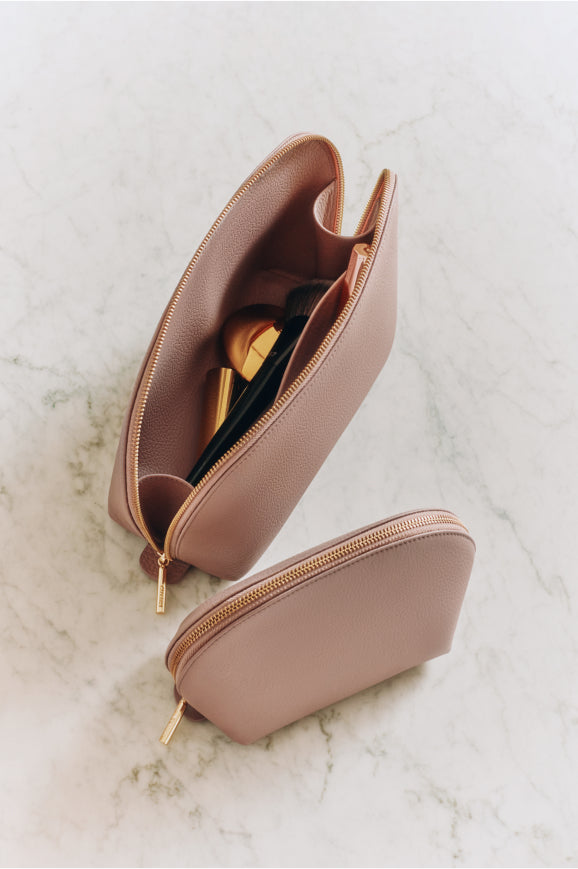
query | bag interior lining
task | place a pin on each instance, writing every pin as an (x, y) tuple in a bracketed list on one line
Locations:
[(239, 267)]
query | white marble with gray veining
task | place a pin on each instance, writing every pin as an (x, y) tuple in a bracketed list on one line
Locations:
[(125, 128)]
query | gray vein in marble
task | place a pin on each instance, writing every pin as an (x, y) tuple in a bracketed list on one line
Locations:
[(125, 132)]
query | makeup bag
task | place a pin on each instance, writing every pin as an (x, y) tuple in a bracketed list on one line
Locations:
[(281, 228), (323, 625), (349, 613)]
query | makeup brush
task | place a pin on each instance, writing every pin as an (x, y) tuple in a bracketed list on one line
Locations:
[(223, 386), (258, 396), (249, 335)]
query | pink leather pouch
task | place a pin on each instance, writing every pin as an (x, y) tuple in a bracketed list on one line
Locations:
[(323, 625), (282, 227)]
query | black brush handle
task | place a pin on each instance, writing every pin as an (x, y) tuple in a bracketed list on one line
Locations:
[(255, 399)]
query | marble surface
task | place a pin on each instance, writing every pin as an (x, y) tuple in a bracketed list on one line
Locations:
[(126, 127)]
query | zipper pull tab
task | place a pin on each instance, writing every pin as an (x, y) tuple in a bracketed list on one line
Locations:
[(162, 583), (174, 722), (357, 259)]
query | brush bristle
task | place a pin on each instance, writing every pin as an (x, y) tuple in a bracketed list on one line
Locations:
[(302, 299)]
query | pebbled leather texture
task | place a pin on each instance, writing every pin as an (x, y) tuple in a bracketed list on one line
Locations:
[(251, 497), (331, 636), (275, 235)]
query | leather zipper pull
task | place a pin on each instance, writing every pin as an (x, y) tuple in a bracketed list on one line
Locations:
[(174, 722), (162, 583)]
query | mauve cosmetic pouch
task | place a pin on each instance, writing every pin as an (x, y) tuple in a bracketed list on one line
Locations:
[(281, 228)]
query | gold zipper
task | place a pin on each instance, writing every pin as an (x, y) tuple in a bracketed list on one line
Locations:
[(399, 529), (135, 434), (370, 202), (394, 532), (263, 420)]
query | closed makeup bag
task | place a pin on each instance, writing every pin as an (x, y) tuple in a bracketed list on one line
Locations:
[(281, 228), (322, 625)]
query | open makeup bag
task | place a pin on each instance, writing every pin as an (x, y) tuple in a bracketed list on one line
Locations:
[(351, 612)]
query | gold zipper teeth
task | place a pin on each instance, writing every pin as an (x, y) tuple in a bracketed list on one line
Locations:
[(136, 432), (307, 567), (263, 420)]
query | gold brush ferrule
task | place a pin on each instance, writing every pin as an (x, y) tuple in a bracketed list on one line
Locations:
[(219, 387), (260, 348), (249, 335)]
